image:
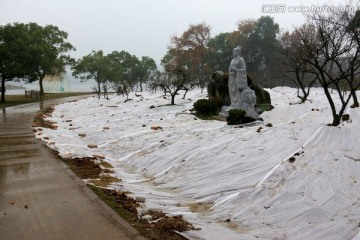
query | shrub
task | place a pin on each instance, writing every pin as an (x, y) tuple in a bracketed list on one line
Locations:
[(236, 116), (205, 107)]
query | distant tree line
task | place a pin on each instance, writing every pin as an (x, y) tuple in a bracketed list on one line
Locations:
[(119, 71)]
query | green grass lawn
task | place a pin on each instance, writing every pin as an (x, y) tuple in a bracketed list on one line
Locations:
[(13, 100)]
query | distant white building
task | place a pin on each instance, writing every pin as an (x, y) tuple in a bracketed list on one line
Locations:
[(56, 83)]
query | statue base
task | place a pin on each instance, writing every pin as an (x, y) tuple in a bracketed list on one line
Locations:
[(247, 121), (246, 102), (224, 113)]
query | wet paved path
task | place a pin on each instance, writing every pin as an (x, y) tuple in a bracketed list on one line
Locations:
[(40, 198)]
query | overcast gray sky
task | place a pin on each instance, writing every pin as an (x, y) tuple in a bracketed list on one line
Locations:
[(142, 27)]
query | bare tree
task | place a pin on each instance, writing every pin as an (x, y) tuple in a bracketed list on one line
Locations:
[(96, 90), (295, 68), (172, 82), (333, 55), (352, 24), (123, 87), (105, 87)]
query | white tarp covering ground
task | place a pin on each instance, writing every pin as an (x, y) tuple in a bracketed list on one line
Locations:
[(232, 182)]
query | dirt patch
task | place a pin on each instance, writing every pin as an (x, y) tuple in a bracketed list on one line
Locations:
[(85, 168), (106, 164), (122, 200), (157, 226), (170, 224), (104, 181), (200, 207), (39, 119)]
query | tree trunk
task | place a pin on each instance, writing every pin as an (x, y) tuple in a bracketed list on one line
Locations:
[(353, 89), (141, 89), (2, 90), (302, 87), (41, 89), (336, 117), (336, 120), (173, 99), (356, 102), (99, 87), (186, 91), (41, 77)]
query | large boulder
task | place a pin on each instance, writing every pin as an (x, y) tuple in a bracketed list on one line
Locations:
[(218, 91)]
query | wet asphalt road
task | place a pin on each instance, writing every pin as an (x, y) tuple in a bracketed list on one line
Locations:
[(40, 198)]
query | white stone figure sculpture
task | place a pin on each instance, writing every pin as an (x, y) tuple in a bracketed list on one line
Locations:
[(241, 96), (237, 78)]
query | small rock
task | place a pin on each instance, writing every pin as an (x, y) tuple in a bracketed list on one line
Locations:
[(39, 129), (46, 138), (26, 206), (92, 146), (292, 159), (68, 120), (269, 125), (82, 134), (140, 199), (143, 125), (147, 217), (227, 220), (106, 128), (259, 129), (156, 128), (152, 106), (99, 156), (345, 117)]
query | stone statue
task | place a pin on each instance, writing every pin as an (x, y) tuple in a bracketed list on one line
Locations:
[(237, 78), (241, 96)]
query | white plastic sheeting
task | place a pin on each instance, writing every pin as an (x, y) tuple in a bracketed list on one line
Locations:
[(232, 182)]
